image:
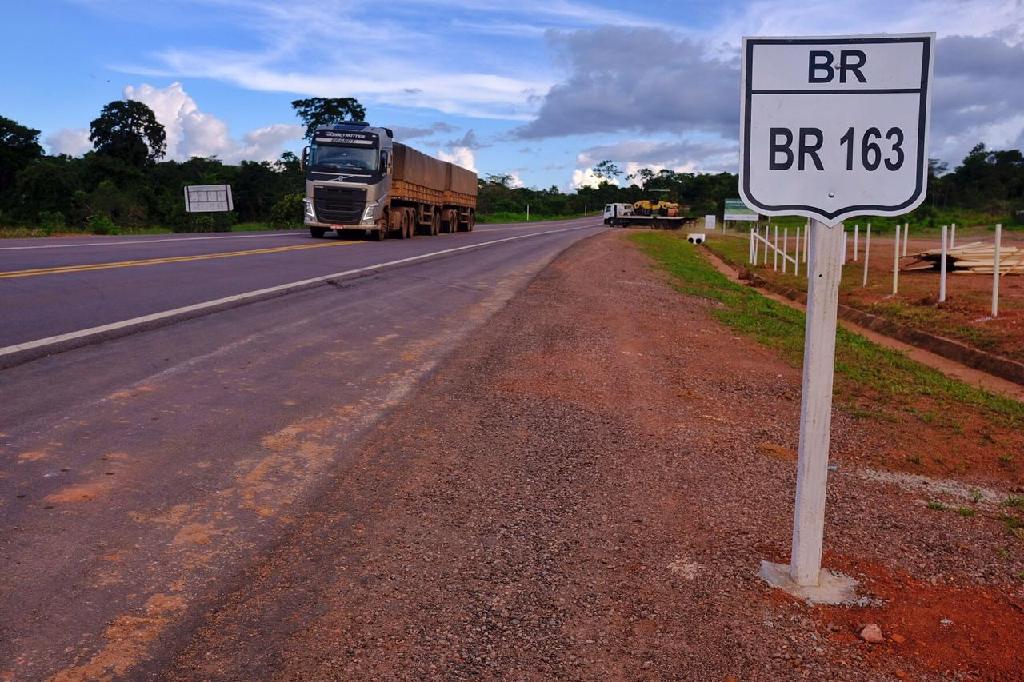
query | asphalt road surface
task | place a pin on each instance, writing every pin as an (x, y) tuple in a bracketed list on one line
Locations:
[(192, 418)]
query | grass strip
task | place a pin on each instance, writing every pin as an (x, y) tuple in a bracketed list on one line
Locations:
[(925, 318), (862, 366), (513, 217)]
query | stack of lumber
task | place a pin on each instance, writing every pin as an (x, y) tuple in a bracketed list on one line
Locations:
[(974, 258)]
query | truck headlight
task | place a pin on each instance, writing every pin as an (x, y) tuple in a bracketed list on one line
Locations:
[(309, 209), (369, 210)]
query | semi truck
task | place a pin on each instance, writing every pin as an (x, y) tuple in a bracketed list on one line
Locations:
[(359, 179)]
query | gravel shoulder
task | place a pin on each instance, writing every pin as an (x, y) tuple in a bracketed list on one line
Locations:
[(585, 491)]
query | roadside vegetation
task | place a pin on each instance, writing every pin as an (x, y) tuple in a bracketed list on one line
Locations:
[(870, 380), (124, 186)]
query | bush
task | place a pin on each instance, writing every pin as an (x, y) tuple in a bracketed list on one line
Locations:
[(288, 211), (207, 222), (51, 221), (101, 224)]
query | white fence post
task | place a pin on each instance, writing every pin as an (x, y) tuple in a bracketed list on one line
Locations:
[(856, 241), (867, 254), (844, 247), (995, 271), (896, 261), (807, 235), (952, 236), (942, 264), (906, 231), (816, 404), (750, 248), (785, 250), (775, 250), (767, 227), (796, 254)]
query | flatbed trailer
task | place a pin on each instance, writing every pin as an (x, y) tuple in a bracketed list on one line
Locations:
[(655, 222)]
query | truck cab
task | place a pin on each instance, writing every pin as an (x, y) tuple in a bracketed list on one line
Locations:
[(612, 211), (348, 178)]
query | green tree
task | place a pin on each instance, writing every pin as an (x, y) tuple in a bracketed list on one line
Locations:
[(49, 184), (324, 111), (608, 170), (128, 130), (19, 146), (287, 212)]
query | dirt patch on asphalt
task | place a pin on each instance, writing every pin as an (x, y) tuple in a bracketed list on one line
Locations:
[(79, 492), (586, 491), (127, 639)]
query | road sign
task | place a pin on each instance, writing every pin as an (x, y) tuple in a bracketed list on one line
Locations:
[(709, 222), (735, 209), (835, 127), (830, 128), (208, 198)]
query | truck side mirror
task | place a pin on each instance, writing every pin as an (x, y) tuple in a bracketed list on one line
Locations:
[(305, 157)]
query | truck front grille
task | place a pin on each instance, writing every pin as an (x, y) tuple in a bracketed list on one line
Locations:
[(339, 204)]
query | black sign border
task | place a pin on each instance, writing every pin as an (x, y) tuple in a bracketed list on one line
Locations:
[(922, 126)]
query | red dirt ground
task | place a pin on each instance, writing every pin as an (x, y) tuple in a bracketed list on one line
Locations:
[(971, 631)]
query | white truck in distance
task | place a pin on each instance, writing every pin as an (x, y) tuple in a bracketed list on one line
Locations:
[(612, 211)]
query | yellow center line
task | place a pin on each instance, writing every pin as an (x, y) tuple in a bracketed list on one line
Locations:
[(158, 261)]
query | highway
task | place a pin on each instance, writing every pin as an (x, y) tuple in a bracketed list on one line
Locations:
[(171, 404)]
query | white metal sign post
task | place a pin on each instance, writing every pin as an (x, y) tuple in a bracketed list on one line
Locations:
[(831, 127)]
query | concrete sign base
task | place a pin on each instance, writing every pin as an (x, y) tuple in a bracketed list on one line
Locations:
[(832, 588)]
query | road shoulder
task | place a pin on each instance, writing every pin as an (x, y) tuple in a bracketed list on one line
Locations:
[(586, 490)]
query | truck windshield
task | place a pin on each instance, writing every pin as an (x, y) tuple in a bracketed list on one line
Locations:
[(332, 157)]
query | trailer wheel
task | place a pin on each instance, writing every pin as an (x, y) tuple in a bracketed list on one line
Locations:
[(471, 221), (435, 224)]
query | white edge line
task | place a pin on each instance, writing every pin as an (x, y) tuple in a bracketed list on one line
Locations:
[(236, 298)]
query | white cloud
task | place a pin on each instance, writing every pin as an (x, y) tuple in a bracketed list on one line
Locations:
[(267, 143), (514, 180), (585, 177), (192, 132), (682, 155), (70, 141), (467, 93), (460, 156)]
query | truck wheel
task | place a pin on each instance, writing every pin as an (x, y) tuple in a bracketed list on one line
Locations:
[(317, 232), (409, 224), (435, 224), (470, 222), (383, 226)]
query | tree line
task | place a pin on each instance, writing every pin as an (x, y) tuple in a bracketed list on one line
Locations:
[(124, 183)]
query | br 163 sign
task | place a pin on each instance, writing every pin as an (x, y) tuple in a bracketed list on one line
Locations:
[(835, 127)]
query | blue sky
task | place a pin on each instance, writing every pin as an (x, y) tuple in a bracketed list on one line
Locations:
[(542, 89)]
